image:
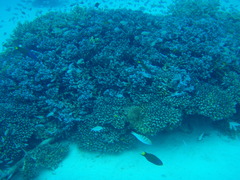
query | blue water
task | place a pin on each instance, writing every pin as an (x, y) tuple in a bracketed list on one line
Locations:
[(112, 79)]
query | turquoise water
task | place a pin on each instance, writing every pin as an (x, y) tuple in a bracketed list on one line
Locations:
[(87, 86)]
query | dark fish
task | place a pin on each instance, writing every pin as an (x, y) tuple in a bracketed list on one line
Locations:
[(97, 4), (8, 9), (26, 52), (73, 4), (152, 158), (19, 4)]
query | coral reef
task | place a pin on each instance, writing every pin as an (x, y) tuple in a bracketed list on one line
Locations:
[(109, 111), (15, 132), (46, 156), (108, 140), (153, 117), (65, 73), (214, 103)]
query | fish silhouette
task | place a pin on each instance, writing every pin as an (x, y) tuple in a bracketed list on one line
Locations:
[(152, 158)]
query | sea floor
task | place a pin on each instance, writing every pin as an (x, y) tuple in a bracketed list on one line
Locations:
[(184, 157)]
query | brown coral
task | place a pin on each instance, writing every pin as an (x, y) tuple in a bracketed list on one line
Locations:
[(153, 117)]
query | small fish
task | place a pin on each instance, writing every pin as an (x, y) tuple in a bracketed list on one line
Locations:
[(6, 159), (40, 117), (97, 4), (73, 4), (152, 158), (142, 138), (13, 132), (39, 125), (200, 138), (2, 139), (50, 114), (26, 52), (6, 132), (97, 128), (234, 125), (8, 9), (10, 162)]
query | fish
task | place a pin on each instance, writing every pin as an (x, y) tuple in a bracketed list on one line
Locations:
[(142, 138), (233, 125), (10, 162), (40, 117), (2, 139), (50, 114), (39, 125), (152, 158), (26, 52), (8, 9), (200, 138), (6, 132), (97, 128), (97, 5), (13, 132)]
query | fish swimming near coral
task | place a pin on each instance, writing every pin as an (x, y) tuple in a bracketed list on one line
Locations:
[(26, 52), (233, 126), (152, 158), (97, 129), (200, 138), (142, 138), (97, 4)]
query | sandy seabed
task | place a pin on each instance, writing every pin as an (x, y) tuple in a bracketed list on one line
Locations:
[(216, 157)]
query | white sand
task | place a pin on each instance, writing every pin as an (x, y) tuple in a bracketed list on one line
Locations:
[(183, 156)]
